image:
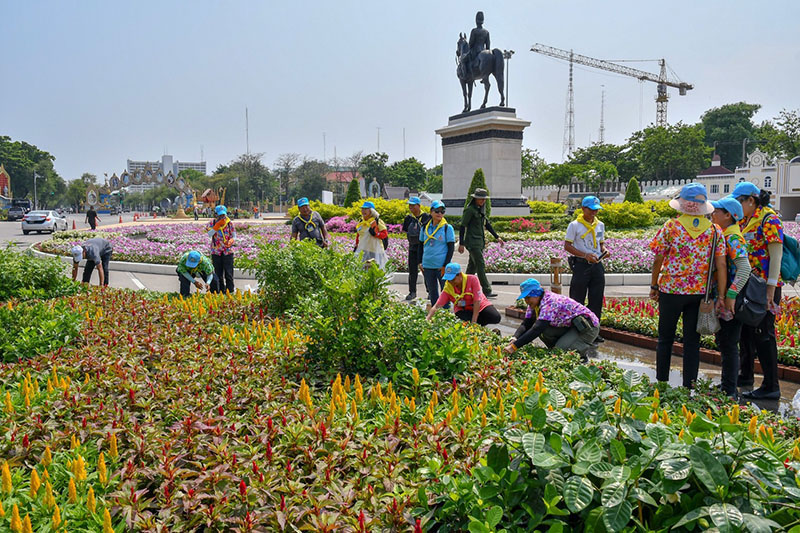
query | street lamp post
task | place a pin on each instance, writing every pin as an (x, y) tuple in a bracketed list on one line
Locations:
[(238, 199), (507, 56), (35, 197)]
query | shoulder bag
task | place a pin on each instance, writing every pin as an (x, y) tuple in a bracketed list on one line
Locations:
[(707, 321)]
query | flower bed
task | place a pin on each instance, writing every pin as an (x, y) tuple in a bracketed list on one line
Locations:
[(641, 316)]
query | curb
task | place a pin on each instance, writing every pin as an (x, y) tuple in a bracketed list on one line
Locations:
[(787, 373)]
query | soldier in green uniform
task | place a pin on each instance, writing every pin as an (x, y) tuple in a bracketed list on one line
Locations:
[(471, 237)]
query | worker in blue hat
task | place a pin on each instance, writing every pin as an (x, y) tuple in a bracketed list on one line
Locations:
[(464, 292), (308, 224), (763, 232), (412, 226), (193, 264), (585, 242), (223, 235), (438, 245), (727, 214), (560, 321), (372, 236)]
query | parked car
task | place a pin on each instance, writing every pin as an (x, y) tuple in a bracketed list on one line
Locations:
[(40, 221), (15, 212), (797, 218)]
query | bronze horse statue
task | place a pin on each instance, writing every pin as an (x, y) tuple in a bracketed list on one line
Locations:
[(488, 62)]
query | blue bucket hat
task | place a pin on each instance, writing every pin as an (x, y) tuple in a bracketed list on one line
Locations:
[(367, 205), (437, 204), (693, 200), (591, 202), (451, 271), (221, 210), (530, 287), (745, 188), (414, 200), (731, 205), (193, 259), (302, 201)]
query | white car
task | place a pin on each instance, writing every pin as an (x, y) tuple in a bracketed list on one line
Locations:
[(40, 221)]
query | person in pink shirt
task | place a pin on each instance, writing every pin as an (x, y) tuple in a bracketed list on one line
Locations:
[(464, 292)]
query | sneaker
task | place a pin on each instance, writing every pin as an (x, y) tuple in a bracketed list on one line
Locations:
[(762, 394), (491, 295), (411, 296), (497, 332), (599, 340)]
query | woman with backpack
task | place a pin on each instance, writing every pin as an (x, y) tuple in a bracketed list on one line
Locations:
[(763, 233), (372, 237)]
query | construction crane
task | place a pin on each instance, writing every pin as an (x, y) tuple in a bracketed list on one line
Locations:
[(660, 79)]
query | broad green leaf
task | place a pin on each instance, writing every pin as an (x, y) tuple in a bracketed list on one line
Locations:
[(422, 497), (533, 443), (538, 418), (494, 515), (578, 493), (643, 496), (658, 434), (546, 460), (514, 435), (556, 442), (691, 516), (630, 432), (488, 492), (580, 468), (587, 374), (620, 473), (725, 516), (701, 424), (676, 468), (601, 470), (478, 527), (616, 518), (532, 402), (617, 451), (557, 398), (613, 495), (708, 469), (589, 452), (556, 418), (759, 524), (497, 458), (631, 378)]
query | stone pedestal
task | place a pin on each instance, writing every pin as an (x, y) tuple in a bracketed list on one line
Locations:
[(490, 139)]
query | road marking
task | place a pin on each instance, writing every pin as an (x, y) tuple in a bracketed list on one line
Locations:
[(136, 281)]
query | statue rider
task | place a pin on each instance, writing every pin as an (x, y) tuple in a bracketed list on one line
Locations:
[(478, 42)]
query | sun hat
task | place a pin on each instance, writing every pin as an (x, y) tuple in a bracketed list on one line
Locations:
[(693, 200), (367, 205), (530, 287), (302, 201), (193, 259), (437, 204), (731, 205), (480, 193), (745, 188), (451, 271), (221, 210), (414, 200), (591, 202), (77, 253)]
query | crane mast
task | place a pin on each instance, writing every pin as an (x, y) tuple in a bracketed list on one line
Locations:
[(661, 79)]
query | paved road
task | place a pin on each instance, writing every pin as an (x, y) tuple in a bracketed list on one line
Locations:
[(11, 232)]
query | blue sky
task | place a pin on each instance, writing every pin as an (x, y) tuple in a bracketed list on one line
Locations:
[(97, 82)]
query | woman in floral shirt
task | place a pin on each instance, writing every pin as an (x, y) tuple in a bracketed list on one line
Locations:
[(763, 233), (222, 234), (682, 248)]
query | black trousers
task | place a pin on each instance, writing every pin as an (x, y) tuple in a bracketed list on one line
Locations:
[(670, 309), (476, 265), (186, 285), (485, 317), (760, 340), (414, 259), (591, 279), (223, 270), (89, 268), (728, 344)]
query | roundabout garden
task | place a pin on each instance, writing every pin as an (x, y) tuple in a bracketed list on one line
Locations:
[(322, 404)]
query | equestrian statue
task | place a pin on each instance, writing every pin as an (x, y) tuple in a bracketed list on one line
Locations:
[(477, 61)]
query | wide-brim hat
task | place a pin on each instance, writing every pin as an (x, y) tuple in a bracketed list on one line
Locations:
[(480, 194), (690, 207)]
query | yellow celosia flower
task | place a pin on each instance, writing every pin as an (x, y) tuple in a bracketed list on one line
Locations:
[(49, 499), (72, 493), (9, 406), (513, 414), (5, 476), (90, 500), (412, 405), (415, 376), (2, 511), (47, 457), (656, 394), (618, 406), (483, 420), (16, 521), (429, 415), (35, 483), (56, 518), (26, 524), (753, 425), (484, 401), (107, 522), (654, 417), (112, 446)]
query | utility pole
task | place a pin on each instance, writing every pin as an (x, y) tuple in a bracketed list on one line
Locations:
[(404, 143), (324, 149), (379, 137), (247, 130), (569, 119), (507, 56), (35, 197), (602, 113)]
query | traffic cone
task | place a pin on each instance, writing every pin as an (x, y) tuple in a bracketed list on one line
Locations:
[(120, 219), (73, 225)]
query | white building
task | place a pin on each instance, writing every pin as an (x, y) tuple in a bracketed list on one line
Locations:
[(165, 165)]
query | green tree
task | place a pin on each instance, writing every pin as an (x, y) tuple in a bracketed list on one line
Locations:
[(619, 155), (433, 182), (310, 179), (533, 167), (782, 136), (256, 182), (373, 167), (560, 175), (407, 173), (595, 173), (728, 126), (196, 179), (20, 159), (676, 151), (633, 193), (88, 178), (478, 182), (353, 194), (76, 193)]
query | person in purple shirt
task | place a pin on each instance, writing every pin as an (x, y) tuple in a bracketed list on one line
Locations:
[(561, 322)]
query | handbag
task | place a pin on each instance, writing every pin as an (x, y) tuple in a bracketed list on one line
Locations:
[(707, 321), (751, 302)]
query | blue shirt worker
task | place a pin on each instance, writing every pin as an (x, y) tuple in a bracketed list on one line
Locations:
[(412, 226), (193, 264), (97, 253), (438, 244), (309, 225), (584, 243)]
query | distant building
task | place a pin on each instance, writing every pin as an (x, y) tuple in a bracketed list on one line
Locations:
[(165, 165)]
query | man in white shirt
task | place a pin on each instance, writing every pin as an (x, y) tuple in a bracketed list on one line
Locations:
[(584, 243)]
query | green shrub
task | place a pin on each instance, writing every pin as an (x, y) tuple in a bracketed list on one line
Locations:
[(25, 277), (538, 207), (391, 211), (326, 211), (633, 193), (36, 328), (353, 194), (626, 215), (479, 182), (662, 208)]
